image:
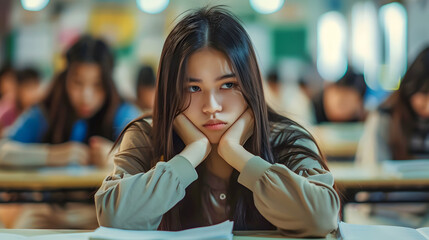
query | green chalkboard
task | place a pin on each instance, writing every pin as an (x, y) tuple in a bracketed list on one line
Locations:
[(289, 42)]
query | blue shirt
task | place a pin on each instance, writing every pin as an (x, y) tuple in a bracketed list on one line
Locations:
[(32, 125)]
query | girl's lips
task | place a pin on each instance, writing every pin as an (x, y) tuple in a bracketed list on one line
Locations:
[(215, 126)]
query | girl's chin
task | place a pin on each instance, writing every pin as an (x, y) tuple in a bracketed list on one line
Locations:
[(214, 140)]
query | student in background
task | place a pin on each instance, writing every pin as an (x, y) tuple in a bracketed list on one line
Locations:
[(399, 130), (215, 150), (75, 124), (27, 94), (8, 92), (145, 88), (342, 101)]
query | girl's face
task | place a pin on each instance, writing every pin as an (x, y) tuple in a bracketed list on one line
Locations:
[(85, 89), (420, 104), (216, 100)]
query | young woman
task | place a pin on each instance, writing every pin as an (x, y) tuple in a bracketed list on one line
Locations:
[(215, 150), (75, 124), (82, 112), (399, 130)]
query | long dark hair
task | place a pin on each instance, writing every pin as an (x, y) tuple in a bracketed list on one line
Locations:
[(219, 29), (273, 138), (58, 109), (403, 122)]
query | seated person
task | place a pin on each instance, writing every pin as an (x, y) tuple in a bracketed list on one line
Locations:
[(342, 101), (399, 130), (76, 123), (28, 82), (146, 82)]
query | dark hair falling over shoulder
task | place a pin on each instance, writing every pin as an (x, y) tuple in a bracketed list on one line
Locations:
[(217, 28), (57, 106), (398, 105)]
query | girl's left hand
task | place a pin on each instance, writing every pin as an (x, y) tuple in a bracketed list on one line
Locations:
[(230, 146), (241, 130)]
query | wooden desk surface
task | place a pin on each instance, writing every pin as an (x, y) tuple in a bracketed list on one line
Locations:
[(239, 235), (49, 178), (338, 139)]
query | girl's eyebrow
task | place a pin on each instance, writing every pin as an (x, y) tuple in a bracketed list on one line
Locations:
[(229, 75)]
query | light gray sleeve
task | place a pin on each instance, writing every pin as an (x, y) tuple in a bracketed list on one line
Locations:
[(301, 204), (135, 197)]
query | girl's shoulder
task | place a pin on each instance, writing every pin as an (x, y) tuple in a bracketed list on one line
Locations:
[(287, 128), (142, 124), (137, 134), (287, 135)]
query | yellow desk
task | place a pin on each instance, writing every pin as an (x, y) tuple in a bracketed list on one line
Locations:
[(239, 235), (52, 180), (49, 178), (338, 139)]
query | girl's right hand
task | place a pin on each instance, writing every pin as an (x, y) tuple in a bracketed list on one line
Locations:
[(197, 145), (68, 153)]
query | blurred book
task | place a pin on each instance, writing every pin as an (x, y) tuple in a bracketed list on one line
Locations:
[(406, 168), (375, 232), (221, 231)]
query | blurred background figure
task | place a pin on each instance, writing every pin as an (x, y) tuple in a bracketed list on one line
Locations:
[(342, 101), (399, 130), (274, 83), (145, 86), (75, 124), (27, 94), (8, 92)]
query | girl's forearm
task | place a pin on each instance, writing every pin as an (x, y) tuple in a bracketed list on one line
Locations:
[(16, 154), (234, 154), (196, 152)]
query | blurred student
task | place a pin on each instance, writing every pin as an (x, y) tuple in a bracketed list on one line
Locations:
[(274, 83), (27, 94), (8, 92), (342, 101), (288, 98), (399, 130), (145, 88), (75, 124)]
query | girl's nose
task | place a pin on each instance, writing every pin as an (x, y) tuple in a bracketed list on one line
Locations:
[(211, 104)]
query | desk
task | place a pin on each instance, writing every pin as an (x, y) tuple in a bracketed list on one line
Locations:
[(63, 179), (338, 140), (238, 235), (351, 179)]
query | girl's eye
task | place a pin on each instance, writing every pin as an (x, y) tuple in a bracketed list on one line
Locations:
[(228, 85), (194, 89)]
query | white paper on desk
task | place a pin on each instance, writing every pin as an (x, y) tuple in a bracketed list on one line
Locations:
[(407, 168), (221, 231), (376, 232)]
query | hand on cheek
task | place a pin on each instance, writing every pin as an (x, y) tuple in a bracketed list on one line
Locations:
[(230, 146), (187, 131), (240, 131), (197, 145)]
